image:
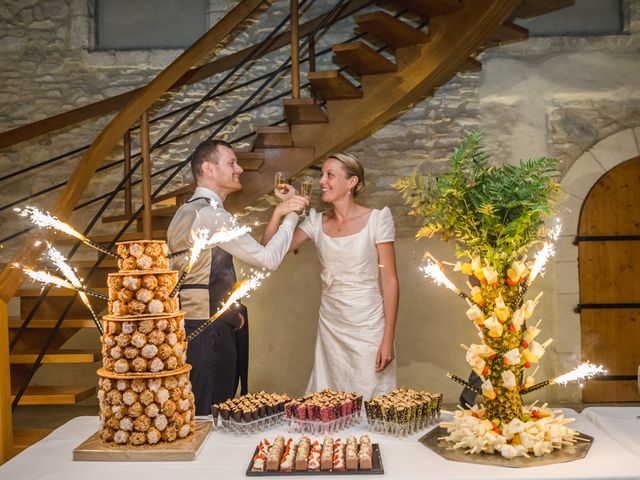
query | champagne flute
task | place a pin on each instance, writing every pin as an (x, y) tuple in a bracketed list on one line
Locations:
[(280, 182), (305, 190)]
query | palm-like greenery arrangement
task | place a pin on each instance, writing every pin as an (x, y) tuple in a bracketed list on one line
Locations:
[(497, 212)]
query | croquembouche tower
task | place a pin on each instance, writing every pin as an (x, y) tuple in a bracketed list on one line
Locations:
[(144, 389)]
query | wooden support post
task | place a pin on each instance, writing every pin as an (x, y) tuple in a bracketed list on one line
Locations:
[(295, 54), (146, 175), (312, 53), (128, 210), (6, 424)]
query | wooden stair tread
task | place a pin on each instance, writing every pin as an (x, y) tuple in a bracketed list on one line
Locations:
[(429, 8), (533, 8), (300, 111), (250, 161), (361, 58), (107, 238), (276, 137), (55, 356), (108, 262), (390, 30), (332, 85), (54, 395), (508, 32), (31, 290), (182, 191), (471, 65), (289, 160), (16, 322), (155, 212)]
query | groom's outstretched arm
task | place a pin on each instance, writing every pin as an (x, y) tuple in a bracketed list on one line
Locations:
[(245, 247)]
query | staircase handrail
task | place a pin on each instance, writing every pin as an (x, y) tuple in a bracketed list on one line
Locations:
[(10, 278), (103, 107)]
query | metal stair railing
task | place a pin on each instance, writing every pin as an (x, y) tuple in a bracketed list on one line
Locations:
[(177, 168)]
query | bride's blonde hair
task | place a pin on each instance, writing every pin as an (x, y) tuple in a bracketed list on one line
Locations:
[(353, 168)]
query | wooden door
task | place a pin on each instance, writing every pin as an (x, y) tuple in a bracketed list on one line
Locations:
[(609, 266)]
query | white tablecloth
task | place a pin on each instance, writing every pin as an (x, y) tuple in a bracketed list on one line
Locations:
[(226, 456), (622, 423)]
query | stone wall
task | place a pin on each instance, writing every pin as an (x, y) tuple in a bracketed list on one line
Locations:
[(576, 99)]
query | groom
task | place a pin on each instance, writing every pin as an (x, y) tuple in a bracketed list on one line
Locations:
[(219, 355)]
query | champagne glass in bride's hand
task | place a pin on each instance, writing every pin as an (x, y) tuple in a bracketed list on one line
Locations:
[(280, 185), (305, 190)]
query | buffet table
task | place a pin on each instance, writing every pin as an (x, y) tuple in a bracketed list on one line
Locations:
[(623, 423), (226, 456)]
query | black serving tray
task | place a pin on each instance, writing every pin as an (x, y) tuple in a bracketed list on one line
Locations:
[(376, 468)]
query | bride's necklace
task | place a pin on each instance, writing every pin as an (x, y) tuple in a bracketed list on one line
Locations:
[(341, 223)]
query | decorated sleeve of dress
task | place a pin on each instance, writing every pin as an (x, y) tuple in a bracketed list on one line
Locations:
[(310, 224), (385, 230)]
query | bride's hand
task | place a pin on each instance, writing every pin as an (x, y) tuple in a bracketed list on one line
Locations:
[(289, 192), (386, 354), (294, 204)]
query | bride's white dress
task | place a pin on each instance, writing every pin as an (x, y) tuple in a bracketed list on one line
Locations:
[(351, 320)]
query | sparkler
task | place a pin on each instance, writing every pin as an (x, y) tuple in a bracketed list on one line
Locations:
[(45, 277), (548, 250), (61, 262), (42, 219), (243, 288), (463, 382), (582, 372), (201, 240), (433, 271)]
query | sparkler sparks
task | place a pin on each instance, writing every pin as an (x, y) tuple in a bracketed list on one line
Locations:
[(201, 240), (44, 277), (69, 273), (548, 250), (42, 219), (581, 372), (221, 236), (72, 282), (433, 271), (243, 288)]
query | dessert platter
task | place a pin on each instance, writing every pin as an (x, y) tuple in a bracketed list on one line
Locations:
[(144, 391), (306, 456), (402, 411), (325, 411), (250, 413)]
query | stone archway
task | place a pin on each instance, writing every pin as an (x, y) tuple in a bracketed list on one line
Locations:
[(576, 185)]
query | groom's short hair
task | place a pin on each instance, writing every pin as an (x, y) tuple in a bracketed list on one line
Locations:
[(207, 151)]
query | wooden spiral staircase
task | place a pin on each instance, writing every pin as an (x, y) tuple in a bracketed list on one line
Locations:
[(339, 113)]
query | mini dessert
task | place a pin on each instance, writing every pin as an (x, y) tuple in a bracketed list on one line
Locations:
[(260, 458), (314, 457), (286, 464), (351, 453), (275, 454), (338, 456), (326, 458), (365, 453), (302, 454)]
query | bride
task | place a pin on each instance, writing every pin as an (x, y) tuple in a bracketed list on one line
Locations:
[(356, 328)]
